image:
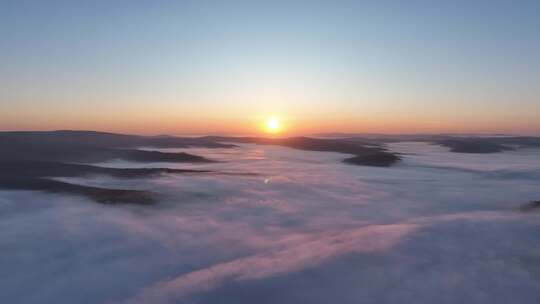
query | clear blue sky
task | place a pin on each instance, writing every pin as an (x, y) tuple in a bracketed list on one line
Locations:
[(205, 66)]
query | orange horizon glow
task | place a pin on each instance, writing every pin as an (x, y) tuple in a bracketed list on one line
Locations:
[(286, 125), (243, 118), (369, 69)]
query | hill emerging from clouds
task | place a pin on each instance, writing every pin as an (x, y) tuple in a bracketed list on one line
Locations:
[(30, 160)]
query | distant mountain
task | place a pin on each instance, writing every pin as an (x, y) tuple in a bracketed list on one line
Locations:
[(458, 143), (108, 140), (28, 160)]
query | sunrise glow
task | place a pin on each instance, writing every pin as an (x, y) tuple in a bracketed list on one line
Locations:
[(273, 125)]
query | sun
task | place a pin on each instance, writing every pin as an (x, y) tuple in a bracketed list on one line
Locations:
[(273, 125)]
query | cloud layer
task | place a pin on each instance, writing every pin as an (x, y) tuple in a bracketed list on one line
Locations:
[(302, 228)]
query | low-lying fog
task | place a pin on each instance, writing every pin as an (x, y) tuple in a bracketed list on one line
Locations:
[(279, 225)]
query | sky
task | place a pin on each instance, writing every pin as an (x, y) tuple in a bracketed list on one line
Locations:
[(194, 67)]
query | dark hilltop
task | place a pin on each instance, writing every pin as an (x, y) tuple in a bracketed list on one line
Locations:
[(457, 143), (365, 153), (31, 160)]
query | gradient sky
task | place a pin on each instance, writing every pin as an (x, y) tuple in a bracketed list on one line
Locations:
[(176, 67)]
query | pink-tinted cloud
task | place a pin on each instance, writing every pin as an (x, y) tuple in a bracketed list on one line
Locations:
[(306, 252)]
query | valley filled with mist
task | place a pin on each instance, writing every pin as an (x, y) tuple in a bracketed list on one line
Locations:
[(268, 221)]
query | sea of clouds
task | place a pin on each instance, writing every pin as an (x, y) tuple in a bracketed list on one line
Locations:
[(278, 225)]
